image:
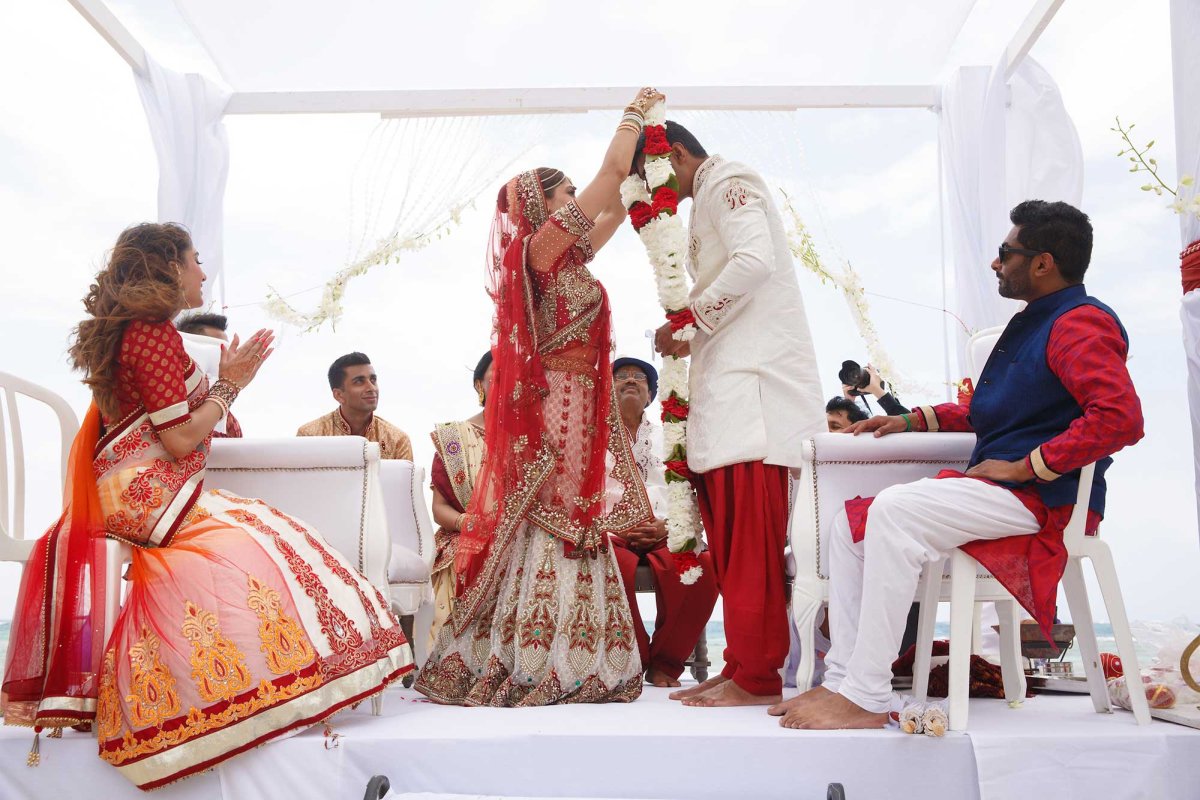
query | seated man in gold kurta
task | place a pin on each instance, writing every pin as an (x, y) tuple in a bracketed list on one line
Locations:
[(356, 389)]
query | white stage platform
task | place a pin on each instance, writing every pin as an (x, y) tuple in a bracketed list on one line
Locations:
[(1054, 747)]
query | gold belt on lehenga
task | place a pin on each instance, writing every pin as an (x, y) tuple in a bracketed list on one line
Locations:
[(581, 366)]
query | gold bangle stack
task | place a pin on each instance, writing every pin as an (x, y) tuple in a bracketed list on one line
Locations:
[(632, 120)]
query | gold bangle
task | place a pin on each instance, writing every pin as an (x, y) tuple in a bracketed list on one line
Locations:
[(224, 390), (458, 522), (221, 404)]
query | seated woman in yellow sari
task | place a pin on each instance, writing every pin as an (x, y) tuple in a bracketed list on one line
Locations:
[(456, 463), (240, 623)]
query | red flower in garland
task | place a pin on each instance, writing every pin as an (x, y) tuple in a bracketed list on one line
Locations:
[(681, 319), (639, 214), (665, 199), (685, 561), (680, 468), (656, 141), (675, 407)]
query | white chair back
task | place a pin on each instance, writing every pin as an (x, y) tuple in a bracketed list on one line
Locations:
[(329, 482), (838, 467), (979, 348), (12, 465), (408, 522)]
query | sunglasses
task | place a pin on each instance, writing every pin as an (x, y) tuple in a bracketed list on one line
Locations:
[(1005, 250)]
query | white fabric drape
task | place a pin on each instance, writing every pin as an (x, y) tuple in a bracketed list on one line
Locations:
[(1185, 55), (185, 116), (999, 146)]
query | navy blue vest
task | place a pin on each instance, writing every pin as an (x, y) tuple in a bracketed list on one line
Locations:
[(1020, 404)]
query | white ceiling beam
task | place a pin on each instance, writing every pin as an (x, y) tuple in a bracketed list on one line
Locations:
[(117, 35), (1031, 29), (488, 102)]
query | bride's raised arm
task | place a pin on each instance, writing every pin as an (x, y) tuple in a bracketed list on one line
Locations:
[(600, 200)]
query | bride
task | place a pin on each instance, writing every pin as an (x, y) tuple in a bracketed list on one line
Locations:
[(541, 616)]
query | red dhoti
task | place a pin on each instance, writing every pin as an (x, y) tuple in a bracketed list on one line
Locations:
[(745, 509), (683, 610)]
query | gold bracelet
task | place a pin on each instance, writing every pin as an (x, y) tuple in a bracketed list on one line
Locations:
[(629, 126), (635, 110), (220, 404), (458, 522)]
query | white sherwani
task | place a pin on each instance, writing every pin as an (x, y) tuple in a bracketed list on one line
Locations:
[(755, 392)]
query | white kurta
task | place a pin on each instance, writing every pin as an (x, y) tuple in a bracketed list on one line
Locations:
[(754, 384)]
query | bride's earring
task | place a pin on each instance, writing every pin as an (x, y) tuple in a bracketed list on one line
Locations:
[(482, 397)]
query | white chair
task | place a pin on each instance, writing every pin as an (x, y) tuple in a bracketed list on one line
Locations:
[(410, 532), (967, 585), (838, 468), (14, 546)]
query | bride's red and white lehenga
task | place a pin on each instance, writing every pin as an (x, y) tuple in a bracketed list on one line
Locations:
[(240, 623), (541, 615)]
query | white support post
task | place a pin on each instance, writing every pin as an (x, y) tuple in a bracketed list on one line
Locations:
[(486, 102), (1027, 35), (108, 26)]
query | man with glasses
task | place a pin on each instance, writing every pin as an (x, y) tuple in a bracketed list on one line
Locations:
[(683, 610), (1053, 397)]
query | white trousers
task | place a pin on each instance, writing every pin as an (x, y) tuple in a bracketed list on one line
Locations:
[(872, 583)]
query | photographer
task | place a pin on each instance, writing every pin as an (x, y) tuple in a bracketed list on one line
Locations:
[(860, 381)]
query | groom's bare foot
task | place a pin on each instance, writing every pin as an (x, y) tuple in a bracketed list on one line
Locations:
[(811, 696), (730, 694), (699, 688), (656, 677), (834, 712)]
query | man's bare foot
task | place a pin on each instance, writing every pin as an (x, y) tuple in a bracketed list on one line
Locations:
[(699, 688), (730, 694), (800, 700), (834, 712), (656, 677)]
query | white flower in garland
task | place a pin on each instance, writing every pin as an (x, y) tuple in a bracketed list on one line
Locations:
[(665, 239)]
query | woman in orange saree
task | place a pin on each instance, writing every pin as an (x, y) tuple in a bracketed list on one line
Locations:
[(240, 623), (540, 615)]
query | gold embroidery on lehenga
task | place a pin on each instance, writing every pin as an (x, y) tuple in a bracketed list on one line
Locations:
[(218, 667), (154, 699), (284, 643), (618, 625), (108, 700), (539, 622), (583, 632)]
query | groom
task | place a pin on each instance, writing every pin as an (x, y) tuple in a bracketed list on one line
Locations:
[(755, 398)]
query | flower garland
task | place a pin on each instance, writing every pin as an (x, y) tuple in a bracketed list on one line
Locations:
[(654, 212), (330, 308)]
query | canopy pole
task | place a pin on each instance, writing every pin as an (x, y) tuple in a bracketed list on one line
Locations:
[(100, 17), (1030, 31)]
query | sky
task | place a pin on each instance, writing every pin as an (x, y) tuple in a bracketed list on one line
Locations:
[(77, 166)]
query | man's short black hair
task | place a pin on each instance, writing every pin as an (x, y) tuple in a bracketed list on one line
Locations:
[(677, 134), (1059, 229), (337, 370), (194, 323), (853, 412)]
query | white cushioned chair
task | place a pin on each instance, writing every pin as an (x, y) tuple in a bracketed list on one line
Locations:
[(838, 467), (410, 532)]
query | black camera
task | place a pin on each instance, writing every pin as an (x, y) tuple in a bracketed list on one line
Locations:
[(851, 374)]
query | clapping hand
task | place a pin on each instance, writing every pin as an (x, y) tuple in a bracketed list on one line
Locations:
[(241, 362)]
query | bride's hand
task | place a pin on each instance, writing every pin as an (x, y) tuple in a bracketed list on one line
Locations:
[(241, 362), (646, 98)]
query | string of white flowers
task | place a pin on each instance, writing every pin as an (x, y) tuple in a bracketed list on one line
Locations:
[(848, 281), (665, 240), (329, 309)]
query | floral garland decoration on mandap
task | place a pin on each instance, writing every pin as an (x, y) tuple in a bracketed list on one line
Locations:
[(654, 212)]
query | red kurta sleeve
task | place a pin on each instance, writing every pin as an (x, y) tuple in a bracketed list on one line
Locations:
[(949, 417), (1087, 353), (153, 366)]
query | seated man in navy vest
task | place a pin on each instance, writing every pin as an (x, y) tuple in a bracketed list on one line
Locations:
[(1053, 397)]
